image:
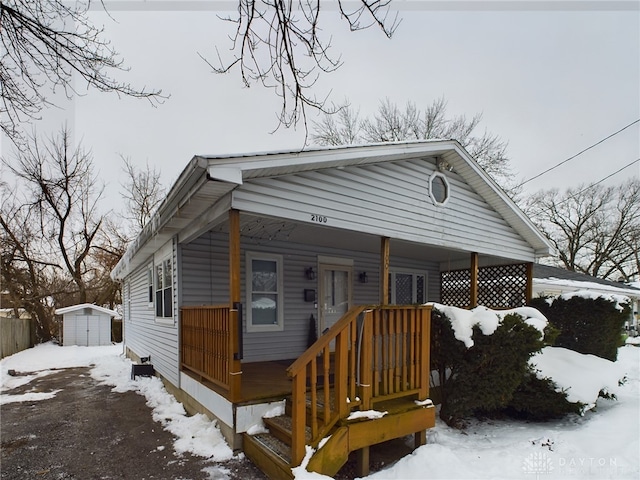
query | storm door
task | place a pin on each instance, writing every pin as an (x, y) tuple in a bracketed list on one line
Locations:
[(334, 295)]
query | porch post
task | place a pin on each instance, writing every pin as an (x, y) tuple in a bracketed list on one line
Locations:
[(235, 367), (384, 270), (529, 292), (474, 280)]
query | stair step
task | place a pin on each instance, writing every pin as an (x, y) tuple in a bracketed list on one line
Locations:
[(282, 426), (270, 454)]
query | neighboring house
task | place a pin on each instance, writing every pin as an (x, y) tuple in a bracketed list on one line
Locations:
[(86, 325), (250, 258), (551, 281)]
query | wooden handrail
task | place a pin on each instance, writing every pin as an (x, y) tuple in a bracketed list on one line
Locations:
[(324, 340), (389, 348)]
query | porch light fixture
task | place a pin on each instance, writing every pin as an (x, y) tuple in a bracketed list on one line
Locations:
[(310, 274), (443, 165), (363, 277)]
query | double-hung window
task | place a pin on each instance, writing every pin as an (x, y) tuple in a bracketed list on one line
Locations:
[(264, 292), (163, 283), (150, 287)]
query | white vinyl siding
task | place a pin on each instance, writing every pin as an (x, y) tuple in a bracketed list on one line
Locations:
[(144, 335), (387, 200), (205, 281)]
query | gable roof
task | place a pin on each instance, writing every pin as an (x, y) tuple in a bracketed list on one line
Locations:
[(208, 178), (546, 275), (82, 306)]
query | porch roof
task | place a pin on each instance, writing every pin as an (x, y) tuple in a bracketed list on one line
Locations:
[(201, 191)]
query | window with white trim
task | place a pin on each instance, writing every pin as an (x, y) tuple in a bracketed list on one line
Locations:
[(150, 288), (407, 287), (264, 292), (164, 288)]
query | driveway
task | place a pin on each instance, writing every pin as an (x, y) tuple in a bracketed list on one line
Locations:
[(89, 432)]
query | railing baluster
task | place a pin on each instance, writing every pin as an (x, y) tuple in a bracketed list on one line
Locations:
[(326, 362), (314, 397), (394, 347), (353, 359), (397, 375), (405, 350), (377, 347)]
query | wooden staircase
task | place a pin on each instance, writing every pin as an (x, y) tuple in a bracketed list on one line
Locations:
[(271, 451), (373, 359)]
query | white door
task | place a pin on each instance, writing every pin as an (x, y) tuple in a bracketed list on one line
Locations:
[(335, 294), (94, 334), (87, 330)]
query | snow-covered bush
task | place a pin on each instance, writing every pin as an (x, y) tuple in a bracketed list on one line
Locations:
[(588, 323), (481, 361), (540, 399)]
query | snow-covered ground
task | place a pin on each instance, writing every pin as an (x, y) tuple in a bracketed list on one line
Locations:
[(604, 443)]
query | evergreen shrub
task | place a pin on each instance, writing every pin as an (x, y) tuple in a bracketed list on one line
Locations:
[(589, 326), (484, 377), (536, 399)]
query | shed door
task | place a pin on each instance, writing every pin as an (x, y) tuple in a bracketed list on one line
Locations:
[(335, 294), (87, 330)]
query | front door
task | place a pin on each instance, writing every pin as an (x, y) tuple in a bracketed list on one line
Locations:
[(335, 294)]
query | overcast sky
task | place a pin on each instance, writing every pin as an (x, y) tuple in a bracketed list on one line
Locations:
[(551, 82)]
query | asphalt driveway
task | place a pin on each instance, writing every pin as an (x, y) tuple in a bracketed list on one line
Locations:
[(89, 432)]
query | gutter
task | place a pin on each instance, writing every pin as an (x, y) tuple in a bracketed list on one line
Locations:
[(188, 183)]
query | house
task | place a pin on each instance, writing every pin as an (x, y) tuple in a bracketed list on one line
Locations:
[(86, 325), (294, 281), (549, 281)]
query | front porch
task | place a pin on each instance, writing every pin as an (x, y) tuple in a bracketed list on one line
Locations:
[(374, 358)]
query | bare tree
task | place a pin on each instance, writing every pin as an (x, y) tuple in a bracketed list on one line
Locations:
[(391, 124), (143, 192), (279, 45), (62, 196), (594, 229), (45, 43), (25, 272)]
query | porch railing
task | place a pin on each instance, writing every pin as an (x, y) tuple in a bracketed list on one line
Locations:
[(370, 355), (206, 342)]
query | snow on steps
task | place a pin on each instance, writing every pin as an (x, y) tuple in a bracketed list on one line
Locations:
[(271, 452)]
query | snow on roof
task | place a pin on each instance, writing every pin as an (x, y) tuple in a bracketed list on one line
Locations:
[(618, 300), (463, 320), (546, 275), (82, 306)]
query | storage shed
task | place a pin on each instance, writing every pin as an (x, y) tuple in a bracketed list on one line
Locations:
[(86, 325)]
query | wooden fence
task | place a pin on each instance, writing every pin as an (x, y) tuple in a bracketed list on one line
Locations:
[(15, 335)]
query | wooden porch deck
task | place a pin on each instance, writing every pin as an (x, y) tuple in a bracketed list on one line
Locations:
[(265, 380)]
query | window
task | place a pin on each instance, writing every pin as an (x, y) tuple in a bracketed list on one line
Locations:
[(150, 286), (164, 289), (264, 292), (407, 288), (439, 188)]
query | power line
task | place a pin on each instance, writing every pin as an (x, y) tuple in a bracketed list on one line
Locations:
[(637, 160), (570, 197), (580, 153)]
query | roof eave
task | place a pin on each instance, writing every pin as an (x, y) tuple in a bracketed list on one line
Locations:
[(192, 177)]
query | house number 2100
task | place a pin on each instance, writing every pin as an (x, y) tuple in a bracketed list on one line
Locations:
[(318, 218)]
